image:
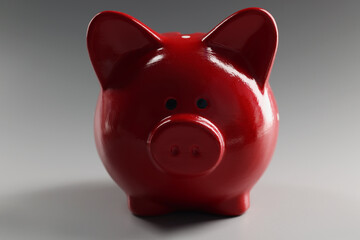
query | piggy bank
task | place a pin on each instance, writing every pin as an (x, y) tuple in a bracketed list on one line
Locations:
[(185, 121)]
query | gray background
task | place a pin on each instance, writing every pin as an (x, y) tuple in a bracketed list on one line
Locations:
[(53, 185)]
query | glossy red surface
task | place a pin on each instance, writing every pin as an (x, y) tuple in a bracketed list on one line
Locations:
[(163, 146)]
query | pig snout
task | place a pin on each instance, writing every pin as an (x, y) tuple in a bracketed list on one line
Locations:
[(186, 144)]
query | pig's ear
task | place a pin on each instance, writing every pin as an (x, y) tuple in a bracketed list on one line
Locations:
[(249, 36), (114, 39)]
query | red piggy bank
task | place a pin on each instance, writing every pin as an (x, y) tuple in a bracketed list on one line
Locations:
[(185, 121)]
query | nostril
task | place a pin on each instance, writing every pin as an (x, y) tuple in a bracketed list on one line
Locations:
[(195, 150), (174, 150)]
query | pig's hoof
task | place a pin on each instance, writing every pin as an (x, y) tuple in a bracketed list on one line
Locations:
[(231, 207), (145, 207)]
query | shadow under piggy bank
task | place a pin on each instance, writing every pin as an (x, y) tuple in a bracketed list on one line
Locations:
[(84, 211), (99, 211)]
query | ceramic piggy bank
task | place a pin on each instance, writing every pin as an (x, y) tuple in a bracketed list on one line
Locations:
[(185, 121)]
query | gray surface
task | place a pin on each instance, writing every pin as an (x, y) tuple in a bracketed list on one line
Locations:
[(52, 183)]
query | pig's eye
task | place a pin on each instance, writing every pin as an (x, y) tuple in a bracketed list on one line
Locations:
[(171, 103), (201, 103)]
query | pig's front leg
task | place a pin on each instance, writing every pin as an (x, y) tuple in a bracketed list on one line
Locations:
[(230, 207), (146, 207)]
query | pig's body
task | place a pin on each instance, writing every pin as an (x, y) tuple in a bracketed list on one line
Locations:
[(203, 152)]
